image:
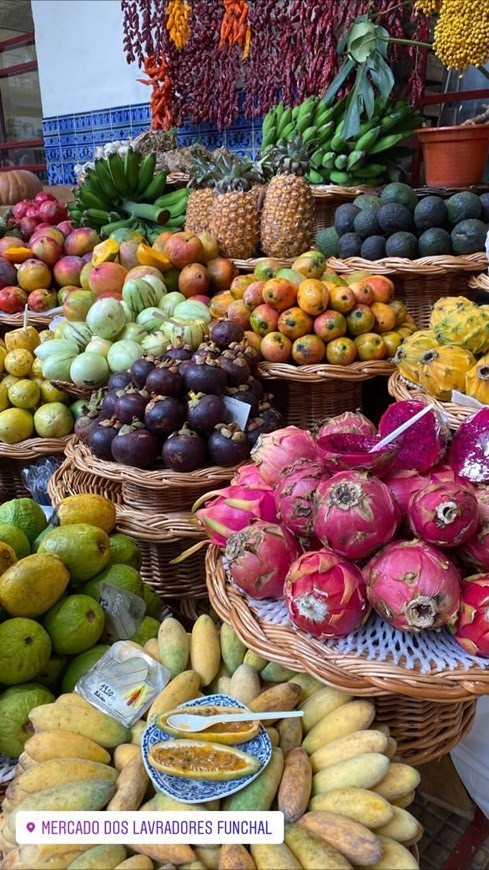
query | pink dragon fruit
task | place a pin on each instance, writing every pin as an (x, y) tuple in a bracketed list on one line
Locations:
[(413, 586), (475, 551), (247, 475), (350, 421), (472, 627), (424, 444), (354, 514), (444, 514), (403, 484), (341, 451), (233, 508), (295, 494), (259, 557), (325, 595), (469, 450), (275, 452)]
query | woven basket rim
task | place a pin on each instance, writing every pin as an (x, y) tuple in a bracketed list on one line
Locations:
[(479, 282), (357, 674), (72, 389), (254, 261), (400, 389), (356, 371), (436, 265), (324, 191), (33, 319), (32, 448)]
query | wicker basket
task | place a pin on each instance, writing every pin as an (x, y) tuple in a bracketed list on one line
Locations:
[(479, 282), (307, 394), (429, 713), (249, 265), (161, 537), (16, 321), (419, 283), (15, 457), (400, 389)]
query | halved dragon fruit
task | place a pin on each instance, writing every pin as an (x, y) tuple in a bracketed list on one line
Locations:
[(349, 421), (295, 495), (277, 451), (341, 451), (233, 508), (413, 586), (475, 551), (259, 557), (469, 450), (424, 444), (325, 595), (472, 628), (354, 514), (444, 514)]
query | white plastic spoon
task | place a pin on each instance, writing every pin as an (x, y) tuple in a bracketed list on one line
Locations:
[(400, 429), (189, 722)]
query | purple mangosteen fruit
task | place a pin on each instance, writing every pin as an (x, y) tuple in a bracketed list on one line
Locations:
[(184, 450)]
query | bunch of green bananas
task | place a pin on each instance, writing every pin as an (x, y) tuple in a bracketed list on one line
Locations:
[(125, 192), (369, 158)]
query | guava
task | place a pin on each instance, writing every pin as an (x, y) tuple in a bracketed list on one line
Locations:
[(74, 624), (148, 628), (15, 706), (53, 420), (26, 648)]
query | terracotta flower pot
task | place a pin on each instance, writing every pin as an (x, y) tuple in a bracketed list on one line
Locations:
[(454, 156)]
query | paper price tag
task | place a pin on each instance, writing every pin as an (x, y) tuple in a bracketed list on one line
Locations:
[(124, 610), (237, 412)]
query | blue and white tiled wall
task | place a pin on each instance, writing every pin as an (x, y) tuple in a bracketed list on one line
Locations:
[(71, 139)]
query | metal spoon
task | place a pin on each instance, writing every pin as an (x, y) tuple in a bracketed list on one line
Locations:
[(189, 722)]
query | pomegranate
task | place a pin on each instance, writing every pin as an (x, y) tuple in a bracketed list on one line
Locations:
[(295, 496), (472, 627), (275, 452), (444, 514), (259, 557)]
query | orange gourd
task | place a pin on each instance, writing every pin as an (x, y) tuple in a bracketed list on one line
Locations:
[(18, 184)]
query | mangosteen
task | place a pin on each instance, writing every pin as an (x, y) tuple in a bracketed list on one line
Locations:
[(183, 366), (134, 445), (165, 380), (268, 420), (251, 356), (205, 411), (130, 405), (235, 366), (205, 376), (140, 370), (224, 332), (184, 450), (119, 380), (178, 351), (207, 349), (101, 437), (227, 445), (107, 408), (164, 414), (244, 394), (84, 425), (256, 387)]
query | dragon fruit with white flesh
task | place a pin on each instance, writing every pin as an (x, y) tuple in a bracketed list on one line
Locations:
[(471, 630), (259, 557), (295, 495), (469, 450), (421, 446), (444, 514), (475, 551), (275, 452), (349, 421), (354, 514), (325, 595), (233, 507), (413, 586)]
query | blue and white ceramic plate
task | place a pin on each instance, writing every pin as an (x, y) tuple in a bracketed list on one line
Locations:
[(193, 791)]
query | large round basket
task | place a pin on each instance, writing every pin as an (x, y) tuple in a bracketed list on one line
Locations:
[(480, 285), (161, 537), (307, 394), (14, 458), (428, 712), (151, 491), (400, 390), (420, 283)]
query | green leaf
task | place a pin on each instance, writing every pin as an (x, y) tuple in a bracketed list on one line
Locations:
[(338, 80), (362, 40), (351, 122), (342, 43), (382, 44), (381, 75)]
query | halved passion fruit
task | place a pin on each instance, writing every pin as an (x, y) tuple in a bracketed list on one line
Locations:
[(228, 733), (194, 759)]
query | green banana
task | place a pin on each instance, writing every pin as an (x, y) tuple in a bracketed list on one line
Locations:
[(369, 170), (97, 214), (92, 183), (340, 161), (322, 114), (328, 160), (131, 169), (155, 188), (365, 142), (105, 180), (116, 169), (304, 121), (174, 198), (314, 177), (269, 128), (338, 177), (325, 132), (337, 142), (279, 110), (355, 160), (173, 224), (88, 199), (111, 227), (386, 142), (309, 135), (146, 172), (316, 159), (288, 131), (284, 121), (393, 118)]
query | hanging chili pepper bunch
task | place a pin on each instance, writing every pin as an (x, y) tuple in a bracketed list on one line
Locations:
[(235, 29), (161, 96), (178, 14)]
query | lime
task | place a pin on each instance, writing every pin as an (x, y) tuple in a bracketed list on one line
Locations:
[(16, 425), (33, 585), (152, 601), (16, 539), (87, 508), (26, 647), (25, 514), (18, 362), (124, 551), (81, 664), (122, 576), (15, 706), (83, 548), (24, 394), (74, 624), (148, 628)]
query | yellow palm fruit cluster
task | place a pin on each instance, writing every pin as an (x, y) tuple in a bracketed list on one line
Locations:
[(178, 22), (429, 7), (462, 33)]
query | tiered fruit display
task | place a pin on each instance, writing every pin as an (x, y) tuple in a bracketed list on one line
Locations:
[(357, 528), (399, 223), (453, 354), (307, 315), (368, 158), (125, 193), (172, 407), (334, 772), (53, 628)]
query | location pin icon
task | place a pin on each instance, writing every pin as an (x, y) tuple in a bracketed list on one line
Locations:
[(30, 827)]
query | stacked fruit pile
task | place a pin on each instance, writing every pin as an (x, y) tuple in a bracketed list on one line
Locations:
[(398, 223), (334, 772), (453, 354), (29, 215), (307, 314), (302, 492)]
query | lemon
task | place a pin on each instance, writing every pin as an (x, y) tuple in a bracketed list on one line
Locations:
[(15, 706), (194, 759), (16, 539), (53, 420), (74, 624), (36, 370), (18, 362), (26, 338), (87, 508), (4, 402), (50, 393), (26, 515), (33, 585), (24, 394), (26, 647), (16, 425)]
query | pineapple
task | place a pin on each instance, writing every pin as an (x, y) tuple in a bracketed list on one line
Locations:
[(287, 221), (235, 214), (200, 198)]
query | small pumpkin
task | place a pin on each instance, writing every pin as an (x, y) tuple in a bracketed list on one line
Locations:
[(18, 184)]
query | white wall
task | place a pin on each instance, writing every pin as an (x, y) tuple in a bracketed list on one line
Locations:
[(82, 66)]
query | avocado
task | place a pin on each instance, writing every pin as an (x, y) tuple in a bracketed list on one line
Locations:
[(462, 206), (327, 241), (344, 216), (434, 242), (484, 215), (402, 244), (349, 245), (373, 248), (395, 218), (400, 194), (469, 236), (367, 200), (430, 211), (366, 223)]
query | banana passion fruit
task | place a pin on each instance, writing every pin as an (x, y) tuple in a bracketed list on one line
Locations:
[(195, 759), (227, 733)]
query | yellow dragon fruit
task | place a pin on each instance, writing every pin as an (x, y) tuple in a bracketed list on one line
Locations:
[(443, 369), (477, 381), (409, 353), (445, 305), (466, 325)]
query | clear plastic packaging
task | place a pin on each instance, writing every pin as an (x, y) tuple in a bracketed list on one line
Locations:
[(36, 478)]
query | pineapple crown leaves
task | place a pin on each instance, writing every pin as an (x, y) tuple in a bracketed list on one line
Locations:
[(225, 173), (292, 158)]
